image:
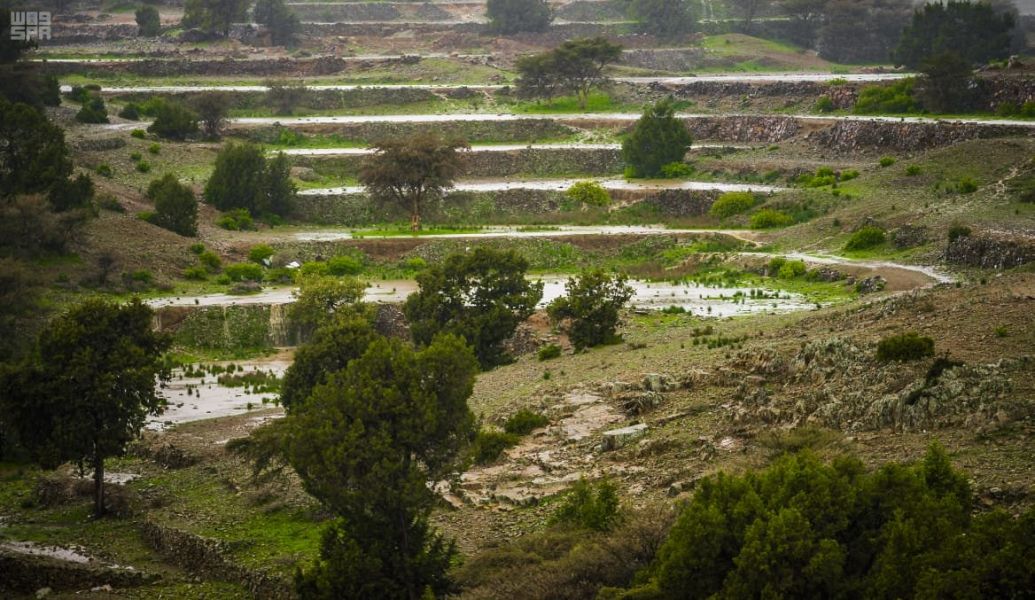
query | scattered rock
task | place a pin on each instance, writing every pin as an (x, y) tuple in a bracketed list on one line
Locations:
[(871, 284), (616, 438)]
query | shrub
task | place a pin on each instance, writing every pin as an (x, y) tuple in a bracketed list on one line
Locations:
[(676, 170), (958, 231), (489, 444), (92, 111), (154, 148), (236, 220), (130, 112), (140, 276), (144, 166), (524, 421), (174, 121), (866, 237), (967, 185), (138, 133), (109, 202), (176, 208), (659, 138), (514, 16), (149, 23), (886, 161), (768, 218), (590, 506), (260, 254), (732, 203), (135, 156), (824, 104), (791, 269), (549, 352), (848, 175), (243, 272), (906, 347), (913, 170), (590, 310), (104, 170), (894, 98), (196, 273), (344, 265), (775, 264), (589, 193), (210, 260), (196, 248)]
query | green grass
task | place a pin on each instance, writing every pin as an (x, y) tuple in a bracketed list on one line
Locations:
[(596, 102)]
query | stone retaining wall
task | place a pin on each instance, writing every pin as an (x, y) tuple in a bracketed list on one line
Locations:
[(26, 573), (852, 136), (353, 12), (990, 251), (525, 130), (308, 99), (210, 557)]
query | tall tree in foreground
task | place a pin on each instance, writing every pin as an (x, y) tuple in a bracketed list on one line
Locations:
[(658, 139), (411, 172), (481, 296), (366, 443), (514, 16), (590, 310), (91, 388)]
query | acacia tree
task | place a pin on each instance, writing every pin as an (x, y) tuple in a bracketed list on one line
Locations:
[(480, 295), (365, 444), (589, 311), (90, 388), (659, 138), (411, 172), (576, 66)]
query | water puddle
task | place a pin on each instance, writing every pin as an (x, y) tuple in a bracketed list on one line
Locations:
[(509, 231), (561, 185)]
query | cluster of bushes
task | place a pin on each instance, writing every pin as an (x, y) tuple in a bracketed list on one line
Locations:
[(1012, 109), (589, 312), (588, 193), (176, 208), (785, 269), (209, 263), (905, 347), (825, 176), (896, 98), (488, 444), (92, 108), (244, 179), (236, 220), (769, 218), (732, 203)]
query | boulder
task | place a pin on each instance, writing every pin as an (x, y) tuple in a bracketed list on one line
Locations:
[(616, 438)]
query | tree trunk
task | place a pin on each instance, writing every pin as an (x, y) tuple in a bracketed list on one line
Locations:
[(415, 216), (98, 484)]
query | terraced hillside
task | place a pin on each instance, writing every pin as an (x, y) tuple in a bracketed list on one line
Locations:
[(749, 333)]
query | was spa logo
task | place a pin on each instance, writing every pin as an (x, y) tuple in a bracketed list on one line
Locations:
[(30, 25)]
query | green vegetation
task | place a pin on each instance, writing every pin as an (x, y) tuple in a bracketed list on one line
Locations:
[(149, 22), (92, 111), (732, 203), (244, 180), (976, 32), (865, 238), (173, 121), (214, 16), (488, 444), (663, 18), (333, 345), (176, 208), (589, 313), (588, 193), (592, 506), (283, 25), (575, 67), (658, 139), (480, 296), (243, 272), (896, 98), (212, 108), (319, 297), (524, 421), (514, 16), (549, 352), (768, 218), (905, 347)]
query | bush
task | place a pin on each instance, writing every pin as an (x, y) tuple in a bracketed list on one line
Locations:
[(895, 98), (154, 148), (514, 16), (196, 248), (590, 310), (195, 273), (732, 203), (676, 170), (104, 170), (549, 352), (958, 231), (149, 24), (824, 104), (260, 254), (236, 220), (590, 506), (659, 138), (135, 156), (913, 170), (866, 237), (886, 161), (174, 121), (176, 208), (92, 111), (589, 193), (967, 185), (524, 421), (906, 347), (138, 133), (144, 166), (243, 272), (210, 260), (489, 444), (344, 265), (768, 218), (130, 112), (791, 269)]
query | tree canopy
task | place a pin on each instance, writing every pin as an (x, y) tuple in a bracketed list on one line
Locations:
[(214, 16), (90, 388), (34, 155), (411, 172), (480, 295), (282, 23), (514, 16), (659, 138), (590, 310), (973, 30), (243, 178), (663, 18), (176, 208), (575, 67), (149, 23)]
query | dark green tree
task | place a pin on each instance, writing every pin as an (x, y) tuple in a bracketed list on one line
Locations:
[(176, 208), (33, 155), (340, 338), (174, 121), (90, 388), (365, 444), (212, 109), (319, 297), (71, 194), (590, 310), (860, 31), (282, 24), (538, 76), (973, 30), (947, 84), (658, 139), (411, 172), (663, 18), (149, 22), (92, 111), (515, 16), (279, 189), (11, 49), (805, 18), (214, 16), (238, 178), (480, 295)]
